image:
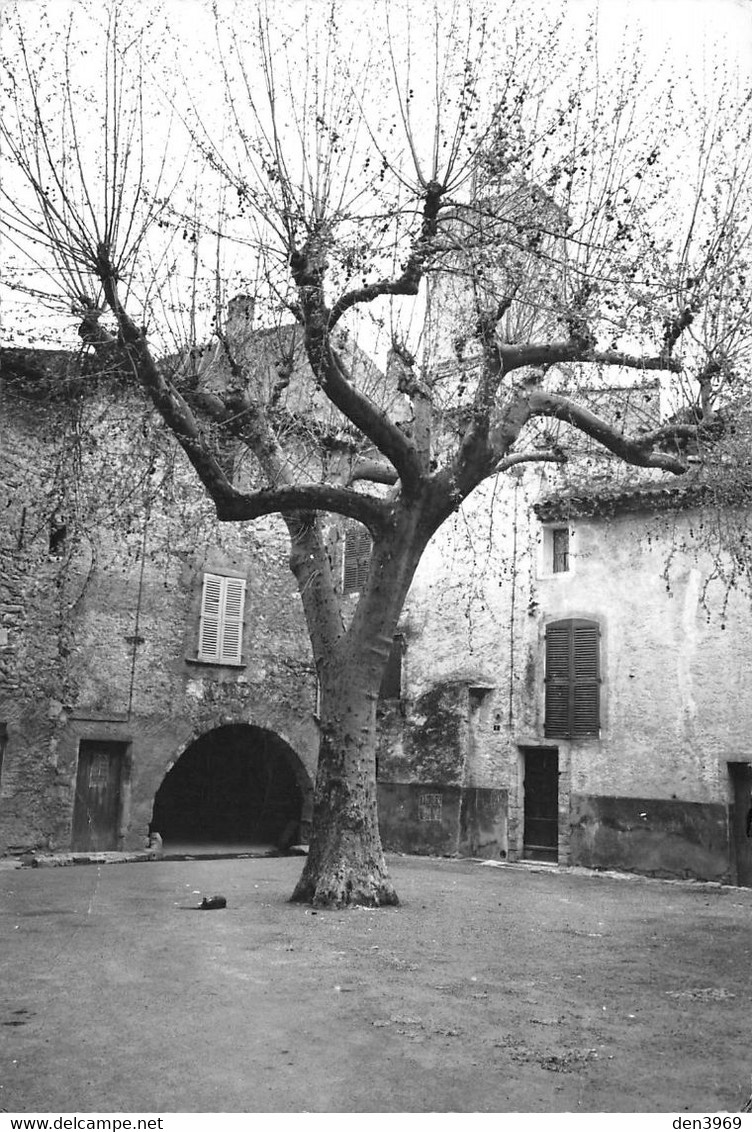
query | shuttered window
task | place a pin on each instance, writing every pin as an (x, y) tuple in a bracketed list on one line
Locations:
[(220, 638), (572, 680), (356, 556)]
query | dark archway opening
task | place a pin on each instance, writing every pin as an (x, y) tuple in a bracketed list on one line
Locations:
[(235, 785)]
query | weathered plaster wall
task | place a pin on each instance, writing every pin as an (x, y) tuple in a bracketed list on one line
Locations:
[(673, 708), (674, 654)]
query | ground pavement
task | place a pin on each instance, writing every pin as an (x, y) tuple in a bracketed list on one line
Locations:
[(488, 990)]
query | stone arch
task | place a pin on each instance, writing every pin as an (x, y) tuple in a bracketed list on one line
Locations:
[(234, 784)]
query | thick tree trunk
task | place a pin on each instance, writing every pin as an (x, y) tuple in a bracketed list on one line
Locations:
[(346, 863)]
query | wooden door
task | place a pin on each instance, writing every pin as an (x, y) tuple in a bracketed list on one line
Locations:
[(96, 812), (740, 844), (541, 832)]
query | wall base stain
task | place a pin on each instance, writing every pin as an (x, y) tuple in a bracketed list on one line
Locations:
[(434, 819), (652, 836)]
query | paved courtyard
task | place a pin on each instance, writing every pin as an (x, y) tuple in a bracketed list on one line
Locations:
[(489, 990)]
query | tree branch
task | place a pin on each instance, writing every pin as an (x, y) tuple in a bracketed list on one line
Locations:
[(130, 353), (372, 422), (308, 266), (408, 282), (374, 471), (474, 451), (303, 497), (633, 451), (247, 421), (230, 503), (310, 564), (400, 372), (531, 458), (549, 353), (675, 327)]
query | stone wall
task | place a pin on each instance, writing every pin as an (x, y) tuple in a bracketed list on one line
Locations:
[(33, 685), (98, 638)]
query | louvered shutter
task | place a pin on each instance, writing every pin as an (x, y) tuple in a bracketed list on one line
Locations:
[(558, 680), (220, 639), (357, 554), (211, 617), (586, 682), (572, 680), (232, 620)]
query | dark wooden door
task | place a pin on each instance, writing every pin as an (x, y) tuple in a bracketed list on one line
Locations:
[(96, 812), (541, 833), (741, 845)]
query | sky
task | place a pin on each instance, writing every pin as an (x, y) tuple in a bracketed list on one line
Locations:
[(688, 28), (691, 34)]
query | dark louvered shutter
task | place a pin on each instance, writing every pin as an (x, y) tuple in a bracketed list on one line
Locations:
[(572, 680), (558, 679), (357, 554), (586, 683)]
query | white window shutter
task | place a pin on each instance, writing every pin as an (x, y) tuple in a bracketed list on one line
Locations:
[(211, 616), (231, 645), (220, 639)]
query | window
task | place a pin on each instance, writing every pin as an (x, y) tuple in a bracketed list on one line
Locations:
[(572, 680), (391, 682), (58, 532), (356, 557), (220, 638), (556, 547), (560, 549)]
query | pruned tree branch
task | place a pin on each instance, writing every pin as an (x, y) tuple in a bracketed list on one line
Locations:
[(638, 451), (230, 503), (373, 422), (374, 471), (412, 273), (568, 350), (240, 506), (531, 458)]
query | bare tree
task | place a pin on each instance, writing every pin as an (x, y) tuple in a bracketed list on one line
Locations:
[(472, 189)]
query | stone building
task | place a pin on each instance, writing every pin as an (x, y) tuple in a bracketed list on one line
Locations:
[(575, 688), (567, 683), (155, 666)]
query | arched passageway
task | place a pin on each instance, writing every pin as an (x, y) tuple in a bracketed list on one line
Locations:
[(234, 785)]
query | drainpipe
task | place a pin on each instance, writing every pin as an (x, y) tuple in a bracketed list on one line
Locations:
[(512, 606), (137, 640)]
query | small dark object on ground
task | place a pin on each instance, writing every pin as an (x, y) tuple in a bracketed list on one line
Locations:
[(210, 902)]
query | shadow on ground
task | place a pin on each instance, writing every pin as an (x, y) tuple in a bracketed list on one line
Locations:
[(489, 990)]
